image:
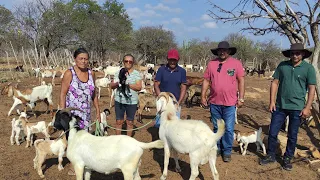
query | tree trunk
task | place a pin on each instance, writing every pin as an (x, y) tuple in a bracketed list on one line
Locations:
[(315, 59)]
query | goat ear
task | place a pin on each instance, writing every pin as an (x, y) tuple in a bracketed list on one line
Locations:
[(159, 104)]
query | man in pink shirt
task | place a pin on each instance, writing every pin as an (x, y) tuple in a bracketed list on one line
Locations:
[(225, 77)]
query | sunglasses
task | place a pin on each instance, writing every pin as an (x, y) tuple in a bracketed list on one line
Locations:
[(219, 68), (126, 61), (295, 53)]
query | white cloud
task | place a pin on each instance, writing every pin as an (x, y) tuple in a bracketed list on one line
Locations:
[(210, 25), (193, 29), (170, 1), (162, 7), (165, 22), (137, 13), (206, 17), (129, 1), (176, 21)]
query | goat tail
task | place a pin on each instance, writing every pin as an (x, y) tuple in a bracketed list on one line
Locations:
[(221, 128), (159, 144)]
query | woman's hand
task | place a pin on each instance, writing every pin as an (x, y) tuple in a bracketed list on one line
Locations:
[(98, 117)]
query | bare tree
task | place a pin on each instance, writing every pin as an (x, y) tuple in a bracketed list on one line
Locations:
[(282, 17)]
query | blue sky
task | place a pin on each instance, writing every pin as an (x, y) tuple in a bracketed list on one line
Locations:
[(186, 18)]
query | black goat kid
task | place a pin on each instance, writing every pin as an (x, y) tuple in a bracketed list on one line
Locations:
[(122, 82)]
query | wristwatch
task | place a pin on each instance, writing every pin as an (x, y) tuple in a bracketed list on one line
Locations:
[(241, 100)]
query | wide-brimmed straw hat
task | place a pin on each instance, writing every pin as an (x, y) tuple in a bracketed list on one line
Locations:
[(224, 45), (297, 47)]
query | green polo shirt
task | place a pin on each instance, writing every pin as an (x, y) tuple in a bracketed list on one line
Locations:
[(293, 84)]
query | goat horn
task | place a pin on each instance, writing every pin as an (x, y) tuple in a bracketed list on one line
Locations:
[(165, 95), (173, 97)]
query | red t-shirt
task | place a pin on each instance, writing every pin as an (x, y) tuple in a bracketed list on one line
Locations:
[(224, 84)]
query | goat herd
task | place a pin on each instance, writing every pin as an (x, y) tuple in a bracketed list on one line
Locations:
[(108, 154)]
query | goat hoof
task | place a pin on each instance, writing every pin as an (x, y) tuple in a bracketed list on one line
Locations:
[(140, 121), (60, 168), (163, 177), (42, 176)]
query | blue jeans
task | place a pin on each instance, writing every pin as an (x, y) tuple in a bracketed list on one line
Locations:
[(277, 120), (227, 113), (157, 125)]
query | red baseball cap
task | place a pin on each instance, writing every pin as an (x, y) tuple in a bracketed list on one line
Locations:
[(173, 54)]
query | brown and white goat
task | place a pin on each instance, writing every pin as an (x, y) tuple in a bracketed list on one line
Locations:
[(250, 137), (194, 90), (30, 128), (146, 100), (49, 147), (29, 96)]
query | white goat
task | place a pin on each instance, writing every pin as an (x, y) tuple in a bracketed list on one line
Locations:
[(102, 82), (48, 73), (37, 71), (16, 102), (29, 96), (32, 128), (186, 136), (97, 68), (189, 66), (105, 154), (17, 129), (250, 137), (150, 66), (111, 70), (49, 147), (104, 122)]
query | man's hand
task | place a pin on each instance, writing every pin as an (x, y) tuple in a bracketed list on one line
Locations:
[(305, 113), (204, 101), (272, 107), (239, 104)]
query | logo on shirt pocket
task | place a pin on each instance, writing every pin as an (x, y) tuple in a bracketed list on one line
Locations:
[(231, 72)]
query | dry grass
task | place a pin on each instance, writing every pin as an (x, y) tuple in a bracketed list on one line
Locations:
[(8, 76), (260, 90), (252, 95)]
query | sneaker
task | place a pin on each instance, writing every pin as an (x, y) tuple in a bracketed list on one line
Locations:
[(286, 164), (267, 160), (226, 158)]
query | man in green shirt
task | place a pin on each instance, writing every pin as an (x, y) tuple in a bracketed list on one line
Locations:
[(292, 78)]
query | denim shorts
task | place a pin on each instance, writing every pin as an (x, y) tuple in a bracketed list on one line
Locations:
[(129, 109)]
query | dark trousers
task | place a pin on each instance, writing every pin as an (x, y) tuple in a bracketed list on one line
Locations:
[(277, 120)]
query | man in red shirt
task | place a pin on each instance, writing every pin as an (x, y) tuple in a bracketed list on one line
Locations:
[(225, 75)]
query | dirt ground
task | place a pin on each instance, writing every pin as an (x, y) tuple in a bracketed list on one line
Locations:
[(16, 161)]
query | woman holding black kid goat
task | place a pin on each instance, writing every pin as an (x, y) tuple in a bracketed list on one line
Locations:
[(127, 83)]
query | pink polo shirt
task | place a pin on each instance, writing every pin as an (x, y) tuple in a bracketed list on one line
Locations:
[(224, 84)]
